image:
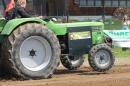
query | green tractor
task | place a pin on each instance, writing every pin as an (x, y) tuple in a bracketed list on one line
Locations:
[(32, 48)]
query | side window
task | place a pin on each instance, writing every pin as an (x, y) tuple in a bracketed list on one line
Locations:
[(107, 2), (115, 3), (98, 3), (90, 2), (128, 3), (82, 2), (122, 3)]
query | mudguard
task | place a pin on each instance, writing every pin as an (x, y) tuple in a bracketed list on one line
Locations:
[(12, 24)]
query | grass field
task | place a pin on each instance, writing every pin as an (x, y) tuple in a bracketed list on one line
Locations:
[(119, 53), (112, 24)]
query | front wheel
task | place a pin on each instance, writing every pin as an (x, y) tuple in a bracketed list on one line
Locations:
[(101, 57)]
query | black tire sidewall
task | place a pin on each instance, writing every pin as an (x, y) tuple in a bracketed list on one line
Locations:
[(111, 59), (18, 42), (92, 57)]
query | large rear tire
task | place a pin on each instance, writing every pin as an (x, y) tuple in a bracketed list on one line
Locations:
[(32, 51), (101, 57), (72, 62)]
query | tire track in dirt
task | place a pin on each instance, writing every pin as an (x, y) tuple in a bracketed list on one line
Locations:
[(118, 75)]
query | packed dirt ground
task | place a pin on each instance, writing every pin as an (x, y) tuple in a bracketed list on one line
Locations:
[(118, 75)]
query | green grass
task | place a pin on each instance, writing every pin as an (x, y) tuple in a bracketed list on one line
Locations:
[(121, 54), (113, 24)]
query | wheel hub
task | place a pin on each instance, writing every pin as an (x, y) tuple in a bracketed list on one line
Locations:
[(102, 58), (32, 53), (39, 49)]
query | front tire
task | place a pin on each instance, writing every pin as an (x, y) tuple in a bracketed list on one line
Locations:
[(101, 57), (32, 51)]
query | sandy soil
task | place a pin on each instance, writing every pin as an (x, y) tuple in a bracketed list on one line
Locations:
[(118, 75)]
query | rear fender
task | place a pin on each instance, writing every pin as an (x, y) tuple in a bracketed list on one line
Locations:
[(12, 24)]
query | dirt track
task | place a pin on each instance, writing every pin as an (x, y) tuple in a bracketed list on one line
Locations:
[(119, 75)]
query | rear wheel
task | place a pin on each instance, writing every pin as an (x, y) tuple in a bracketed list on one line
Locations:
[(101, 57), (72, 62), (31, 52)]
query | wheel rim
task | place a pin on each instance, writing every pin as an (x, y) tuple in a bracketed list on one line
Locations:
[(74, 59), (35, 53), (102, 58)]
